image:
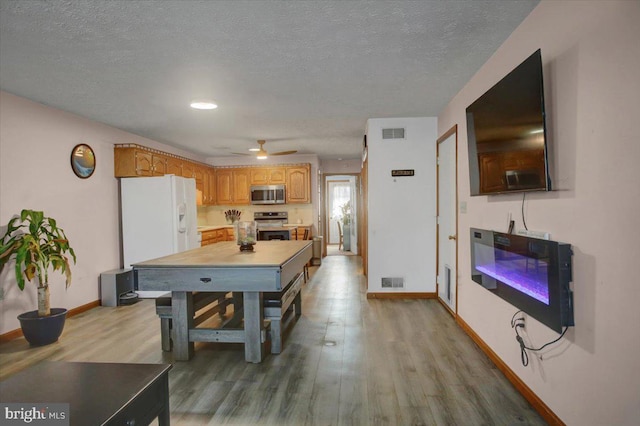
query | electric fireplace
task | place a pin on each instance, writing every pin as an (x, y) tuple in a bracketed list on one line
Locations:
[(533, 275)]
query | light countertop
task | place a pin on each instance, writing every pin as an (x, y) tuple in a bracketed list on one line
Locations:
[(214, 227)]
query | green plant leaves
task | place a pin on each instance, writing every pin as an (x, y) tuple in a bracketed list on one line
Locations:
[(37, 244)]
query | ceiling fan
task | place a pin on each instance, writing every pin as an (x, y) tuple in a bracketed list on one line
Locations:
[(261, 154)]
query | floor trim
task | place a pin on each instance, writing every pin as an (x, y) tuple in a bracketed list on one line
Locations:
[(402, 295), (528, 394), (14, 334), (448, 308)]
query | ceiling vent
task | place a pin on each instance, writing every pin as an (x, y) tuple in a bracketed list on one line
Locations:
[(393, 133)]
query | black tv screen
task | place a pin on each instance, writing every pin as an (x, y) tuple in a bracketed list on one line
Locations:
[(532, 274), (507, 135)]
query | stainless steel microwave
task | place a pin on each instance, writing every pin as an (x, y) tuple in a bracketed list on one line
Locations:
[(267, 194)]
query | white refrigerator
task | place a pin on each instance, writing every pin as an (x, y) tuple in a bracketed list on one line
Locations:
[(159, 217)]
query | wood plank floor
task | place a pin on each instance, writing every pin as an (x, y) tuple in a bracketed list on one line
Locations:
[(346, 361)]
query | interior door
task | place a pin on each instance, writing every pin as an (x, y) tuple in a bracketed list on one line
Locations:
[(447, 220)]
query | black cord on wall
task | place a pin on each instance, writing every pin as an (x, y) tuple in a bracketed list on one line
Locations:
[(517, 323), (524, 222)]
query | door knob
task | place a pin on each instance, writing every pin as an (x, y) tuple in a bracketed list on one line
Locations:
[(452, 237)]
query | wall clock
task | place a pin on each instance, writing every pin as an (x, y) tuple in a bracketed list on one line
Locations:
[(83, 161)]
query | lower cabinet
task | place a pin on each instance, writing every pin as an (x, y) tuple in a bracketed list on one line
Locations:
[(216, 236)]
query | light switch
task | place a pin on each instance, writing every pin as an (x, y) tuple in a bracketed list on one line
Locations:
[(463, 206)]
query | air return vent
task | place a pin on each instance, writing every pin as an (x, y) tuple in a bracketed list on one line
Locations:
[(392, 133), (395, 282)]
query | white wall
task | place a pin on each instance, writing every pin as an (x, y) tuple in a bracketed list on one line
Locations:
[(341, 166), (591, 67), (401, 211), (35, 172)]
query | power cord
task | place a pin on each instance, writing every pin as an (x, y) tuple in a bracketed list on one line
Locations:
[(517, 323), (523, 221)]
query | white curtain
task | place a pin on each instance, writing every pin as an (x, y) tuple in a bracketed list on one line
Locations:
[(341, 195)]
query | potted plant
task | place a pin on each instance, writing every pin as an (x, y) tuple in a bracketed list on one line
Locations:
[(37, 244)]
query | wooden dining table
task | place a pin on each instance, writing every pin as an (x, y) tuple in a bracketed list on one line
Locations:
[(222, 267)]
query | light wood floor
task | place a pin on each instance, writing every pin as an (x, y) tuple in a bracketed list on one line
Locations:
[(346, 361)]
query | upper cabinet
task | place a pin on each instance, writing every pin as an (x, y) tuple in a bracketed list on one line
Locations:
[(232, 186), (134, 162), (217, 185), (209, 195), (268, 175), (174, 166), (299, 184)]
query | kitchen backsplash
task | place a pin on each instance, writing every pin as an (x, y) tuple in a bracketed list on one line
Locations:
[(214, 215)]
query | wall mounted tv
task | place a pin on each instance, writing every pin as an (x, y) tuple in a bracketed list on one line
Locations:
[(531, 274), (507, 135)]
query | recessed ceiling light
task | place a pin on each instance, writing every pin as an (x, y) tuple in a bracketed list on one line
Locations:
[(201, 104)]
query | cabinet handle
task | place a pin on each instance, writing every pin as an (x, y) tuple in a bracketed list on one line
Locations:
[(205, 280), (452, 237)]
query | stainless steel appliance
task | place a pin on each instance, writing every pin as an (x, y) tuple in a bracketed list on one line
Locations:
[(271, 225), (267, 194)]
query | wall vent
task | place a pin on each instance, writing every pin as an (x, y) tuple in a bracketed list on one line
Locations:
[(395, 282), (393, 133)]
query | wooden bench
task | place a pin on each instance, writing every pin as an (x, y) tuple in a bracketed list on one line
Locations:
[(277, 305), (205, 305)]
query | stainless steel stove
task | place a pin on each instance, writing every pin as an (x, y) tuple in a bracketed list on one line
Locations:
[(271, 225), (271, 219)]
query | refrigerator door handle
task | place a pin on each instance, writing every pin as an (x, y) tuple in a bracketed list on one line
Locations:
[(182, 218)]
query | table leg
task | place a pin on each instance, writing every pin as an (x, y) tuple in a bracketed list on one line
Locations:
[(164, 417), (182, 316), (253, 319)]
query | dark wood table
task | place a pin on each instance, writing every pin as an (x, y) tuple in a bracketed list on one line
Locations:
[(97, 393)]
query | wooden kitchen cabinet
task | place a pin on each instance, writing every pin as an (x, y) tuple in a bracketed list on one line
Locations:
[(232, 186), (198, 175), (268, 175), (224, 186), (241, 191), (213, 236), (208, 237), (134, 162), (209, 181), (298, 184), (188, 169), (174, 166)]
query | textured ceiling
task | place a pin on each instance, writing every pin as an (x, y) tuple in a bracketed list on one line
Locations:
[(303, 75)]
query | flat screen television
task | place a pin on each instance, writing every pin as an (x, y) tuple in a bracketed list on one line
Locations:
[(533, 275), (506, 132)]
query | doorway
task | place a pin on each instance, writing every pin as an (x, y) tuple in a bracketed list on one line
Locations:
[(341, 216), (447, 211)]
